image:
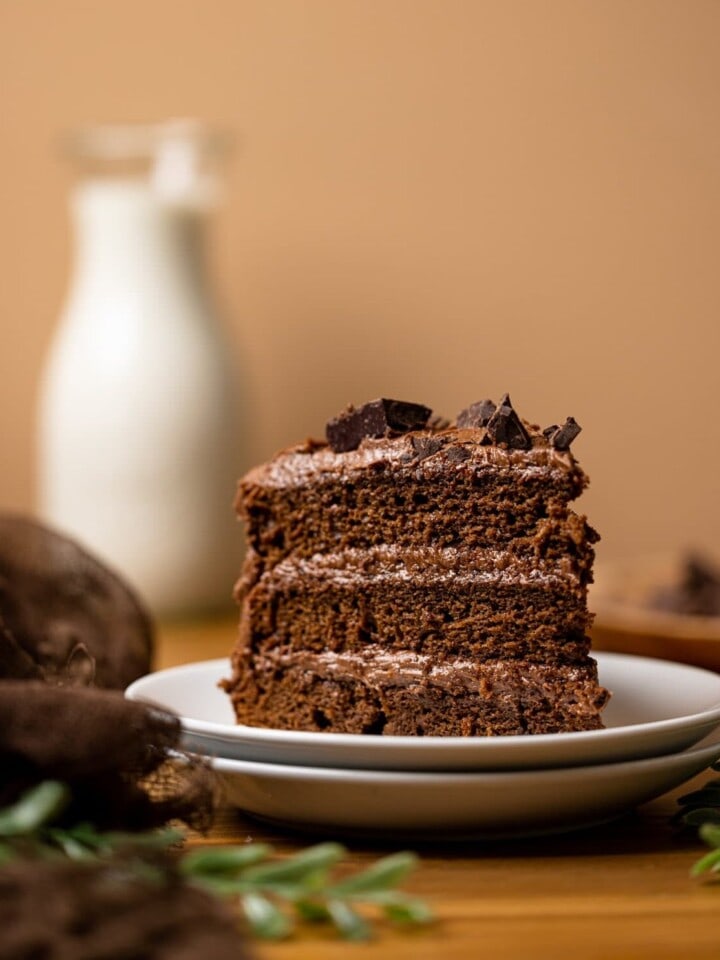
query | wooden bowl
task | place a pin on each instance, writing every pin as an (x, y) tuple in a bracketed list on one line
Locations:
[(626, 622)]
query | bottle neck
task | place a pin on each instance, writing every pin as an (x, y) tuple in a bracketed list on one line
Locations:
[(128, 240)]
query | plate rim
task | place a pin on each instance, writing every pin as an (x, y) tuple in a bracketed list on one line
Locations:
[(408, 777)]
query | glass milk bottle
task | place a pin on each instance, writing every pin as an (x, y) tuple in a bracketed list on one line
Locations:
[(138, 432)]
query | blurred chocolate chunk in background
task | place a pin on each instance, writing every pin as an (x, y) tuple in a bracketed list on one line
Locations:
[(697, 591)]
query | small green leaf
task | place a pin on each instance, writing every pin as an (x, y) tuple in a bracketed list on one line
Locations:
[(34, 809), (348, 921), (219, 884), (710, 862), (304, 864), (86, 834), (383, 874), (72, 849), (223, 860), (152, 839), (310, 885), (265, 918), (710, 834), (312, 910), (83, 842), (408, 910)]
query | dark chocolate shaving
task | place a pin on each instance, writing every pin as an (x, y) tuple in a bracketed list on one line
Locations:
[(505, 426), (476, 415), (379, 418), (562, 437), (65, 613), (456, 454), (105, 748), (425, 446), (62, 910)]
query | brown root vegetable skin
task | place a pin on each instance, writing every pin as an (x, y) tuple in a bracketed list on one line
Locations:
[(64, 616)]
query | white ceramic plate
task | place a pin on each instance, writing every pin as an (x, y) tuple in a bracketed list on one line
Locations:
[(453, 805), (657, 708)]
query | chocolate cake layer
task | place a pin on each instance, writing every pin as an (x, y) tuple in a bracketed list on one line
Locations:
[(309, 500), (439, 602), (407, 694)]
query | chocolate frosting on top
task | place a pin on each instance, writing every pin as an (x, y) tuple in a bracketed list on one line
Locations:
[(369, 438), (64, 616)]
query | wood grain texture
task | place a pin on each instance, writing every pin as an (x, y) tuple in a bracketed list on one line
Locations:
[(621, 891)]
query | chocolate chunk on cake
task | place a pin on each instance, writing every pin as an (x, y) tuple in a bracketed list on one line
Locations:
[(416, 577)]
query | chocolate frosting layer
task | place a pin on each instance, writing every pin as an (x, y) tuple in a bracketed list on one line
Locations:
[(428, 564), (381, 669), (386, 431), (427, 451)]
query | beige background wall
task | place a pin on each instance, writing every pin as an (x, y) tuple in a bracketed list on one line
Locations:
[(435, 200)]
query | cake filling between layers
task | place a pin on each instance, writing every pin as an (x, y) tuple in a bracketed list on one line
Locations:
[(409, 694)]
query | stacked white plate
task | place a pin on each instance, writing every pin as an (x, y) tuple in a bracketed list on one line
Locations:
[(661, 729)]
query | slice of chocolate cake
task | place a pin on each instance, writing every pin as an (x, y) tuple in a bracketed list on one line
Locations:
[(415, 577)]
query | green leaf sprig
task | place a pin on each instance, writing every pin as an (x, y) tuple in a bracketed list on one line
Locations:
[(26, 829), (701, 809), (272, 894), (710, 863), (305, 882)]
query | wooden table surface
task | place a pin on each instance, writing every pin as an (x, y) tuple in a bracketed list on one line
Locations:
[(621, 891)]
